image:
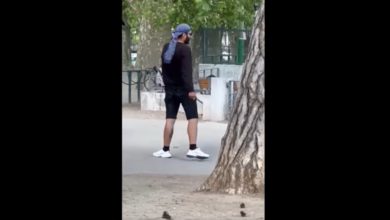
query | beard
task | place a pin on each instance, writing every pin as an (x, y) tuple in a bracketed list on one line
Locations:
[(187, 40)]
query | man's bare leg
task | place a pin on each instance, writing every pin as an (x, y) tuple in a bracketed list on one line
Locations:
[(192, 130), (168, 131)]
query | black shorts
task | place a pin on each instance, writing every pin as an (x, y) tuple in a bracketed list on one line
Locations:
[(173, 98)]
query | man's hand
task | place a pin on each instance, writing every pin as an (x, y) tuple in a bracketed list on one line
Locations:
[(192, 95)]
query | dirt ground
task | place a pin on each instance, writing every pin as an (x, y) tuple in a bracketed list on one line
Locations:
[(147, 196)]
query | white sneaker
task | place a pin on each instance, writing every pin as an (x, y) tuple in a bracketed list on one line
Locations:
[(161, 153), (197, 153)]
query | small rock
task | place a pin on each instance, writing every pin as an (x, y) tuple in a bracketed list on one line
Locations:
[(242, 205), (166, 215), (242, 214)]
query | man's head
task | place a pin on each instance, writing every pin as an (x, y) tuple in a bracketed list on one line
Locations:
[(181, 34), (184, 33)]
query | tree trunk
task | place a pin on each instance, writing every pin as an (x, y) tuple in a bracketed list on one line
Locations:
[(214, 45), (152, 40), (196, 49), (126, 43), (233, 38), (240, 166)]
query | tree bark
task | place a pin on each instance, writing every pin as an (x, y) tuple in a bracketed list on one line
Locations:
[(240, 166), (233, 37), (196, 49), (214, 45), (126, 43)]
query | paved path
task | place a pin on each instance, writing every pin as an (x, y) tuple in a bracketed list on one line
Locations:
[(142, 135)]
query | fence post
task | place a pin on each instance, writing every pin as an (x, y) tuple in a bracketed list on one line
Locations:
[(240, 51), (129, 80), (241, 46), (139, 75)]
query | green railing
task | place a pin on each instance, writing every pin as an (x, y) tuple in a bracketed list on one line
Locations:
[(145, 80), (224, 46)]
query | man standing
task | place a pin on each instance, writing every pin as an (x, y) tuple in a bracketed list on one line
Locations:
[(179, 89)]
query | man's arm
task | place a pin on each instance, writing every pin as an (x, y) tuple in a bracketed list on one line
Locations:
[(186, 69)]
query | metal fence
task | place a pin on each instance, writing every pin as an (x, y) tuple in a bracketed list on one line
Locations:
[(224, 46), (138, 80)]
